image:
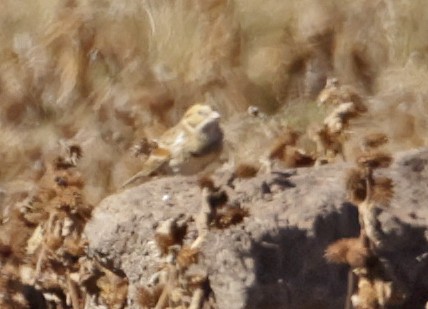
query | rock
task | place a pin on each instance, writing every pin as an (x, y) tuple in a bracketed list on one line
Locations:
[(274, 259)]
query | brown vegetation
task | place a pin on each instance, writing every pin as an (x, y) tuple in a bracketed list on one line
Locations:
[(44, 249), (105, 74), (96, 78), (175, 286), (377, 285)]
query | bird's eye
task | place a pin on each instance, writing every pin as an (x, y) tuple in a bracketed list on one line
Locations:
[(201, 113)]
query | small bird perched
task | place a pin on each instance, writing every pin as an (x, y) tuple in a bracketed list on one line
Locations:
[(188, 147)]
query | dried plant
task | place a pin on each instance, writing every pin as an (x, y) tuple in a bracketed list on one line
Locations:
[(245, 170), (289, 138), (113, 290), (383, 188), (175, 286), (215, 196), (50, 236), (374, 160), (229, 215), (328, 145), (187, 256), (335, 94), (169, 233), (148, 297), (286, 151), (101, 74), (373, 140), (111, 82), (377, 285), (351, 251)]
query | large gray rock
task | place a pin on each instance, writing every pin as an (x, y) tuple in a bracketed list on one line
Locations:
[(274, 259)]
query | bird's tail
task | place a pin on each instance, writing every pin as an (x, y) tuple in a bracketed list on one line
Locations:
[(136, 177), (157, 158)]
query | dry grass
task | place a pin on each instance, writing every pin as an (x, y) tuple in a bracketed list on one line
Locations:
[(105, 74)]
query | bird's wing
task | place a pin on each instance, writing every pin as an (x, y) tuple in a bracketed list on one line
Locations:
[(157, 158), (172, 135)]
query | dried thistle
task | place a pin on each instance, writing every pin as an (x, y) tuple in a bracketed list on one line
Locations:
[(230, 215), (75, 246), (383, 190), (206, 182), (54, 241), (327, 143), (295, 157), (89, 273), (169, 233), (197, 281), (366, 296), (149, 297), (375, 287), (374, 140), (187, 256), (5, 250), (338, 120), (289, 138), (55, 217), (245, 170), (12, 290), (355, 185), (377, 293), (113, 290), (351, 251), (73, 153), (34, 212), (61, 163), (216, 197), (15, 235), (374, 160), (69, 178), (335, 94)]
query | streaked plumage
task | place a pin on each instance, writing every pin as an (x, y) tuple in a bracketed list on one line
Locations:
[(188, 147)]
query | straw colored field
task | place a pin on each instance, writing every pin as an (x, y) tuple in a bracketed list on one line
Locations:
[(104, 73)]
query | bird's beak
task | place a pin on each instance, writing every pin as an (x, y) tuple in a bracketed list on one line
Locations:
[(215, 115)]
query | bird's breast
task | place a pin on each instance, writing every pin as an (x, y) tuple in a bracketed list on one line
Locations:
[(210, 139)]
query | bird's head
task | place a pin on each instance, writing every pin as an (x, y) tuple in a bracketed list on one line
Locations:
[(199, 116)]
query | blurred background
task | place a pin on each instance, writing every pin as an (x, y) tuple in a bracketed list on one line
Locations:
[(105, 73)]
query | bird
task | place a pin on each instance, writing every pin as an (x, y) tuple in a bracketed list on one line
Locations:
[(188, 147)]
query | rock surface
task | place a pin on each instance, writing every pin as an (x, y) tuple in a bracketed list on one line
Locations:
[(274, 259)]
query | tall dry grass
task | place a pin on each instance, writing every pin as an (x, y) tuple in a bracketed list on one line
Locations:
[(104, 73)]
